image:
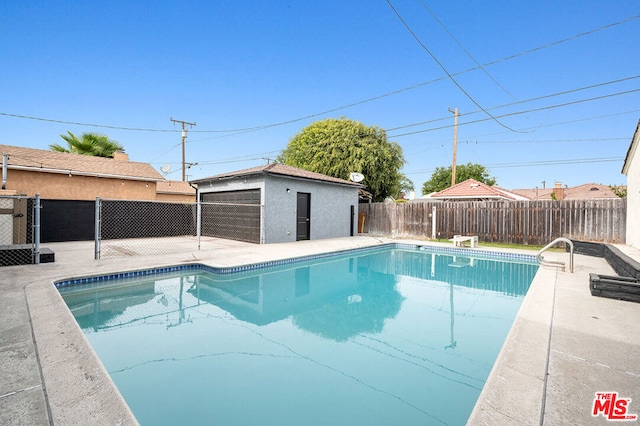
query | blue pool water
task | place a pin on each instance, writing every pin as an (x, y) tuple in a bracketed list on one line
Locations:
[(382, 337)]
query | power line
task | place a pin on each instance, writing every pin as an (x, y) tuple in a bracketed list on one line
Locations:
[(444, 144), (416, 86), (548, 107), (564, 40), (579, 120), (75, 123), (538, 98), (258, 156), (482, 68), (551, 140), (242, 159), (346, 106), (426, 49), (538, 163), (557, 162)]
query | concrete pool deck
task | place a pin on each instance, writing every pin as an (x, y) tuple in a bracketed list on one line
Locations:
[(564, 346)]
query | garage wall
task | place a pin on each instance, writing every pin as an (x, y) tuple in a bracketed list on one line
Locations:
[(330, 209), (330, 205)]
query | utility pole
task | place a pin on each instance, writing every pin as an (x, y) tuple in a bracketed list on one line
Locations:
[(184, 138), (455, 144)]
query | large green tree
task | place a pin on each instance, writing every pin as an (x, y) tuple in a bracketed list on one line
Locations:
[(88, 144), (441, 177), (336, 147)]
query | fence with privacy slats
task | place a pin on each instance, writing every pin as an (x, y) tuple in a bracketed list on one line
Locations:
[(510, 222), (126, 228), (19, 230)]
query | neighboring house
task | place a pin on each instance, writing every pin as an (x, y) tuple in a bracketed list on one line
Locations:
[(473, 190), (64, 176), (631, 169), (68, 185), (278, 203), (587, 191), (175, 191)]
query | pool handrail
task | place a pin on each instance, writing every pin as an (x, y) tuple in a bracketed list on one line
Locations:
[(553, 262)]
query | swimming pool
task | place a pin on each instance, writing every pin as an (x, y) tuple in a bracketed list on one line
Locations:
[(381, 336)]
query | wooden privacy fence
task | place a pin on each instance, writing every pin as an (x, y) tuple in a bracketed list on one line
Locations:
[(511, 222)]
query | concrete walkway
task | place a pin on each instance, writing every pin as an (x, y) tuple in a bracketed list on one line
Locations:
[(580, 344)]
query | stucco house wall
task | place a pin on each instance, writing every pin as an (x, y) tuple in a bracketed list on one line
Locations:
[(631, 168), (55, 186), (175, 192)]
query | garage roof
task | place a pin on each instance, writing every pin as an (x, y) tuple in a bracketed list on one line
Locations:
[(281, 170)]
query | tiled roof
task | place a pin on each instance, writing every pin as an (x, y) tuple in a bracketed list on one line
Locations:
[(587, 191), (472, 189), (39, 160), (174, 187), (534, 193), (283, 170)]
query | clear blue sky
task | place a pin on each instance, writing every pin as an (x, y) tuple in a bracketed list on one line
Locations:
[(229, 65)]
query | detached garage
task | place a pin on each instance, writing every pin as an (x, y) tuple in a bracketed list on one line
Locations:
[(277, 203)]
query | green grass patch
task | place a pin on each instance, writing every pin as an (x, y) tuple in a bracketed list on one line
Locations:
[(509, 246)]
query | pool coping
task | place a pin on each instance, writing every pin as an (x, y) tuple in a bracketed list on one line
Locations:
[(477, 254)]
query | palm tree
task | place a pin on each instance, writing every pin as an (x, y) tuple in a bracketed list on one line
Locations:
[(89, 144)]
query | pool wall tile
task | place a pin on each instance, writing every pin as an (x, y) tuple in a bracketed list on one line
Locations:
[(482, 254)]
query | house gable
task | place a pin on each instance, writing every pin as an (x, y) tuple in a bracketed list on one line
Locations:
[(472, 189)]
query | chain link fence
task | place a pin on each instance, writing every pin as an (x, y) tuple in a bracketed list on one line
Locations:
[(125, 227), (134, 228), (19, 230), (137, 228)]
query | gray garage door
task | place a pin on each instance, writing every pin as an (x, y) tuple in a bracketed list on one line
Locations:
[(234, 215)]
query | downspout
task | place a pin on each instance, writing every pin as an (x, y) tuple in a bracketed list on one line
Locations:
[(5, 159)]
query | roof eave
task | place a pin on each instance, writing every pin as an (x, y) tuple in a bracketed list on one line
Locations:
[(344, 183), (274, 174), (81, 173), (635, 140)]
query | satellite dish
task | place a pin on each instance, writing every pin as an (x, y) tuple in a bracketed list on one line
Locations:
[(165, 169), (356, 177)]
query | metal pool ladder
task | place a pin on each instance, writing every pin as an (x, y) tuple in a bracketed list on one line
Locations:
[(553, 262)]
